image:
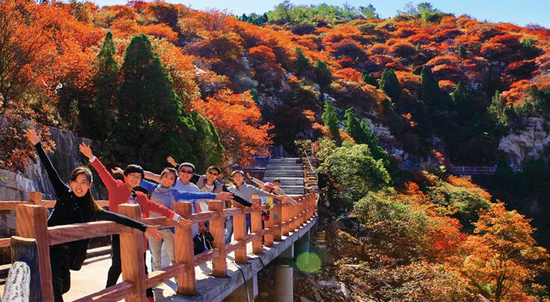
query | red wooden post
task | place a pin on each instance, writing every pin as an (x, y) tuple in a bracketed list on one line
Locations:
[(131, 255), (285, 218), (32, 222), (256, 226), (185, 252), (239, 228), (219, 264)]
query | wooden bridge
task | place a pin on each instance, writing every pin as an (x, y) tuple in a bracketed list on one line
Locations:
[(472, 170), (287, 224)]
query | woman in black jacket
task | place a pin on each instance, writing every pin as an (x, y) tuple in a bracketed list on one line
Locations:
[(75, 204)]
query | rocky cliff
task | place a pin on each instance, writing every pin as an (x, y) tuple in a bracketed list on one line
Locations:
[(16, 186), (530, 142)]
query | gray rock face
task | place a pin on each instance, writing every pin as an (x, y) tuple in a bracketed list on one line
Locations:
[(17, 186), (529, 143)]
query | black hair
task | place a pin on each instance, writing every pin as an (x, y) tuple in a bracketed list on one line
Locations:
[(132, 168)]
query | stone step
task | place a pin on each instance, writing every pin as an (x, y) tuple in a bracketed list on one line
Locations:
[(283, 161), (277, 166), (291, 183), (286, 173), (282, 173), (283, 169)]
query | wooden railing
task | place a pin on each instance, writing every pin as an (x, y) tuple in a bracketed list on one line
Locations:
[(285, 218)]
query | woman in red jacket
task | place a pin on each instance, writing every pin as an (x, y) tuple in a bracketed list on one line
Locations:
[(123, 192)]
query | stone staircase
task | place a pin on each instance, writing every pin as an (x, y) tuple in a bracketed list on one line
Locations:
[(290, 171)]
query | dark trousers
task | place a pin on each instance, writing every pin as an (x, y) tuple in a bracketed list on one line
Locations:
[(116, 267), (61, 275)]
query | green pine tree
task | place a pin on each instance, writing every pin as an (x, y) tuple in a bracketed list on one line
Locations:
[(331, 120), (463, 102), (150, 112), (103, 112), (390, 84), (369, 79), (303, 65), (323, 76)]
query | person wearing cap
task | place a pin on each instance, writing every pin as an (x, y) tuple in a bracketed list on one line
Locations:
[(272, 187), (245, 191)]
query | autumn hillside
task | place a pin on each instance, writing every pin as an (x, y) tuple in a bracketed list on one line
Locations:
[(395, 103)]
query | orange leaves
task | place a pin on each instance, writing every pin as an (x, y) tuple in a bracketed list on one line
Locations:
[(262, 52), (238, 121), (349, 74), (160, 31), (502, 257)]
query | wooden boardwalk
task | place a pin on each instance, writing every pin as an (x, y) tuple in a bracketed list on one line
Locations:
[(195, 274)]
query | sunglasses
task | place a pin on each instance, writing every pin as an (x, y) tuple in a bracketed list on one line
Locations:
[(215, 174), (187, 171)]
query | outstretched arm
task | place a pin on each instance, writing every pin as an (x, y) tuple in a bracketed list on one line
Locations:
[(162, 210), (105, 176), (152, 176), (150, 230), (148, 185), (58, 184), (238, 199), (256, 181), (182, 195)]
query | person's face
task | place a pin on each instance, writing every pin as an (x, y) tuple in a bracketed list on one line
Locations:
[(80, 185), (211, 176), (238, 178), (168, 179), (277, 183), (132, 179), (186, 173)]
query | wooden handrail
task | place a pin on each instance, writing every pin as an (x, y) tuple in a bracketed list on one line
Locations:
[(78, 231), (289, 219), (112, 293)]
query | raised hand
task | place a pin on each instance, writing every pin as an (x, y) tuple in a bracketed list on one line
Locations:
[(86, 150), (152, 231), (117, 170), (248, 175), (171, 161), (33, 136), (224, 196)]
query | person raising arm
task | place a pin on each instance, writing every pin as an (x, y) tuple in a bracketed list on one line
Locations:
[(75, 204)]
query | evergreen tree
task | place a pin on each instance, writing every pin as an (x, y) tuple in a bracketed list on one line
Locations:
[(369, 79), (430, 92), (464, 103), (303, 65), (390, 84), (150, 113), (323, 76), (352, 126), (497, 110), (106, 83), (331, 120), (361, 133)]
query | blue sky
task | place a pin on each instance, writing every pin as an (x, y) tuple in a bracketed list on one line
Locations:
[(520, 12)]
